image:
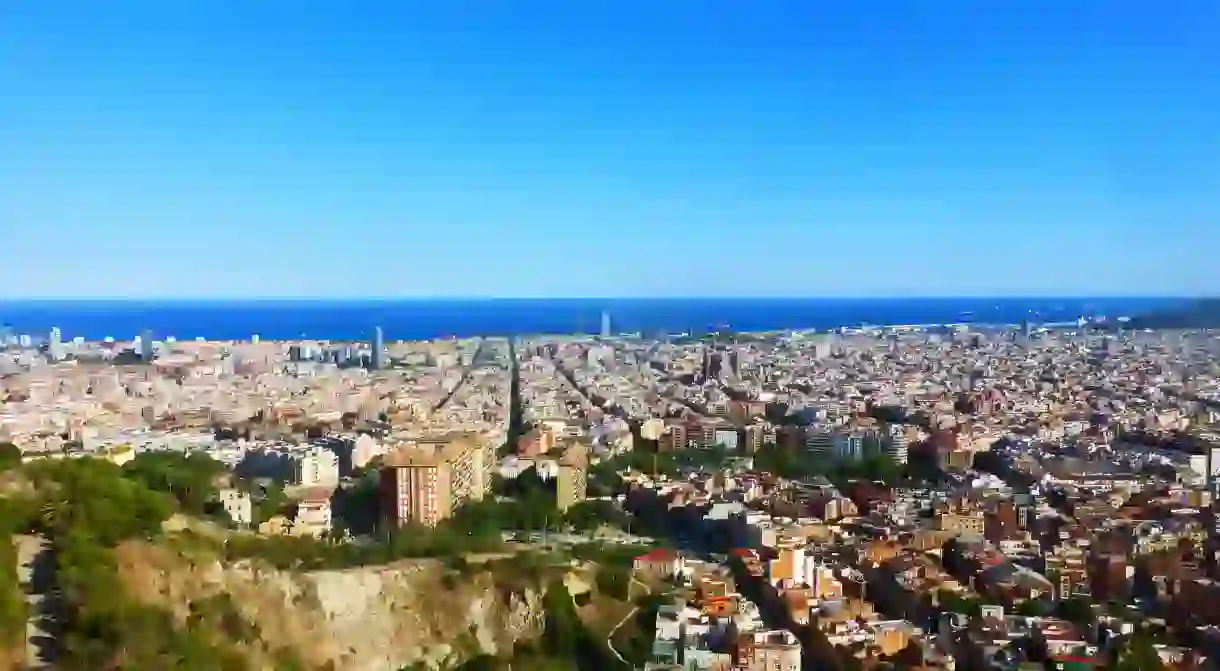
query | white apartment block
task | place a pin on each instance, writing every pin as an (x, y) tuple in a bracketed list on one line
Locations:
[(315, 467), (238, 506)]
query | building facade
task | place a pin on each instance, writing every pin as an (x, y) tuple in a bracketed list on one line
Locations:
[(424, 481)]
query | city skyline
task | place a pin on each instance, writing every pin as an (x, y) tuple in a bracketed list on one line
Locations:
[(775, 150)]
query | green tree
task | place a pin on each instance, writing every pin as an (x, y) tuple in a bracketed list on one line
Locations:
[(10, 456), (269, 500), (1138, 654), (191, 479), (591, 514), (12, 601), (92, 496), (614, 582), (562, 631), (953, 602), (1034, 608)]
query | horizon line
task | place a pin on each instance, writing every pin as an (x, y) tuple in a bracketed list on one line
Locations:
[(473, 298)]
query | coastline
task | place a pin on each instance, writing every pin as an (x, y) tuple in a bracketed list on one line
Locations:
[(418, 319)]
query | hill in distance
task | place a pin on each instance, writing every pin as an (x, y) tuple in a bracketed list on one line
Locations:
[(1200, 314)]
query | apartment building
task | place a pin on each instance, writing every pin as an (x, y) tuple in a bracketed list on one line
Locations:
[(570, 485), (675, 436), (415, 488), (774, 650), (972, 522), (1067, 569), (423, 482), (315, 467), (237, 505)]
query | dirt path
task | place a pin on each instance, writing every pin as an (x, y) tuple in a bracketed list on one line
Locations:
[(630, 614), (35, 573)]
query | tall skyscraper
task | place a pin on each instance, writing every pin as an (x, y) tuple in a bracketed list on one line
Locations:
[(605, 324), (377, 358), (55, 344), (146, 346)]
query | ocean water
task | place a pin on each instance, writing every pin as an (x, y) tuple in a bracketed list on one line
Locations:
[(419, 319)]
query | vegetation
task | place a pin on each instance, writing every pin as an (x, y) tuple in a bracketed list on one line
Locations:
[(953, 602), (614, 582), (1138, 654), (87, 507), (795, 465), (566, 645), (10, 456), (191, 479), (565, 637), (590, 515), (12, 601), (634, 642), (1078, 610), (656, 463)]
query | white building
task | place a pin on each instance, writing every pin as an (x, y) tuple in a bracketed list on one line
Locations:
[(315, 467), (237, 505)]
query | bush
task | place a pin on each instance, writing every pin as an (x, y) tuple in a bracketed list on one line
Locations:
[(191, 479), (10, 456), (88, 506), (12, 600), (614, 582)]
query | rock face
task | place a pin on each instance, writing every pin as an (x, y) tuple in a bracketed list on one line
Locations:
[(366, 619)]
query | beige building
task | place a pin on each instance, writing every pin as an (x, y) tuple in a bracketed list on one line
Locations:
[(963, 522), (424, 481), (313, 515), (571, 483), (776, 650)]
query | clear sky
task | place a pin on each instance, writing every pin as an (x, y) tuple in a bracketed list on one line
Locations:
[(630, 148)]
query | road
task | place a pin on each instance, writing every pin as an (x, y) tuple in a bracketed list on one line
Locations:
[(474, 363), (34, 573), (626, 618)]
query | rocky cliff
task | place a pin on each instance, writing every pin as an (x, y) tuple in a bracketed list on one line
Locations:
[(366, 619)]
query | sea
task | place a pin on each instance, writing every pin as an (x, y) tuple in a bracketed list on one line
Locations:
[(418, 319)]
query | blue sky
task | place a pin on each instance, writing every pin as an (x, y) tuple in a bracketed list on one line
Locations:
[(582, 148)]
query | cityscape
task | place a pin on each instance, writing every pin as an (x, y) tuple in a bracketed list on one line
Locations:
[(632, 336), (920, 497)]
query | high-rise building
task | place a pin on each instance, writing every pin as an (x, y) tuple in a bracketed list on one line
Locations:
[(415, 489), (605, 324), (377, 357), (819, 441), (570, 485), (146, 346), (896, 445), (424, 482), (55, 346)]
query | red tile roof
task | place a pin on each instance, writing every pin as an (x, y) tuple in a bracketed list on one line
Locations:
[(659, 554)]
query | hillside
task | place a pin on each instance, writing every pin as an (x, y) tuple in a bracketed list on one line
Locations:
[(138, 575), (363, 619)]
